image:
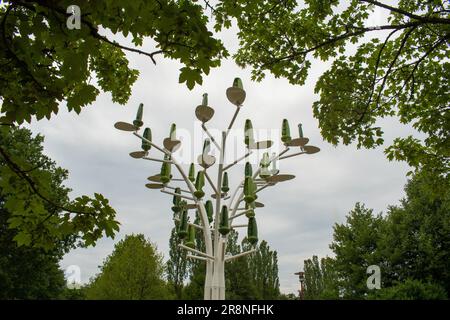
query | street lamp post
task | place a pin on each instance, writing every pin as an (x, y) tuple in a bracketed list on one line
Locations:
[(216, 222)]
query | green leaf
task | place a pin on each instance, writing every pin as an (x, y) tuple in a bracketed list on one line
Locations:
[(22, 239)]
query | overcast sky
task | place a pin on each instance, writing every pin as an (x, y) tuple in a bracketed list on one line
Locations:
[(298, 216)]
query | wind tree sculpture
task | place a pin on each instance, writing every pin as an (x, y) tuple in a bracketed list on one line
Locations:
[(216, 222)]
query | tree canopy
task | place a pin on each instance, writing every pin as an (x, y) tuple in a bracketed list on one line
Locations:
[(33, 271), (32, 191), (133, 271), (379, 69), (395, 68), (43, 63), (28, 273), (177, 264), (410, 244), (321, 279)]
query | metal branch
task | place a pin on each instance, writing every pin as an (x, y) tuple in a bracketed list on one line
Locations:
[(179, 195), (190, 256), (232, 120), (262, 188), (237, 160), (157, 160), (292, 155), (191, 224), (196, 251), (152, 144), (173, 188), (239, 214), (206, 231), (211, 183), (210, 136), (411, 15), (239, 255)]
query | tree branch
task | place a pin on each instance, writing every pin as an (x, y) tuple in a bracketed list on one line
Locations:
[(22, 174), (402, 44), (417, 63), (208, 5), (343, 36), (376, 66), (408, 14), (21, 64), (92, 28)]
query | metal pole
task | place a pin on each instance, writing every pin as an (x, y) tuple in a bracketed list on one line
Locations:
[(211, 183), (157, 160), (237, 160), (190, 256), (239, 255), (218, 280), (210, 136), (179, 195), (195, 251), (292, 155)]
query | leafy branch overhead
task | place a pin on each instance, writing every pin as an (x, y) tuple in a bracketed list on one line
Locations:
[(43, 63), (40, 211), (393, 67), (380, 68)]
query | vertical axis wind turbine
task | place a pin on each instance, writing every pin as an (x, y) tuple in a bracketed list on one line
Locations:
[(215, 221)]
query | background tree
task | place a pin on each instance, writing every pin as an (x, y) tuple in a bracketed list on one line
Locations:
[(238, 275), (263, 266), (196, 270), (289, 296), (176, 265), (321, 279), (355, 245), (133, 271), (78, 293), (410, 290), (410, 244), (416, 241), (194, 289), (396, 67), (40, 211), (27, 273), (31, 272)]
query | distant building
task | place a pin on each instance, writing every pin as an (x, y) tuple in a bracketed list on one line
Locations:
[(301, 278)]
